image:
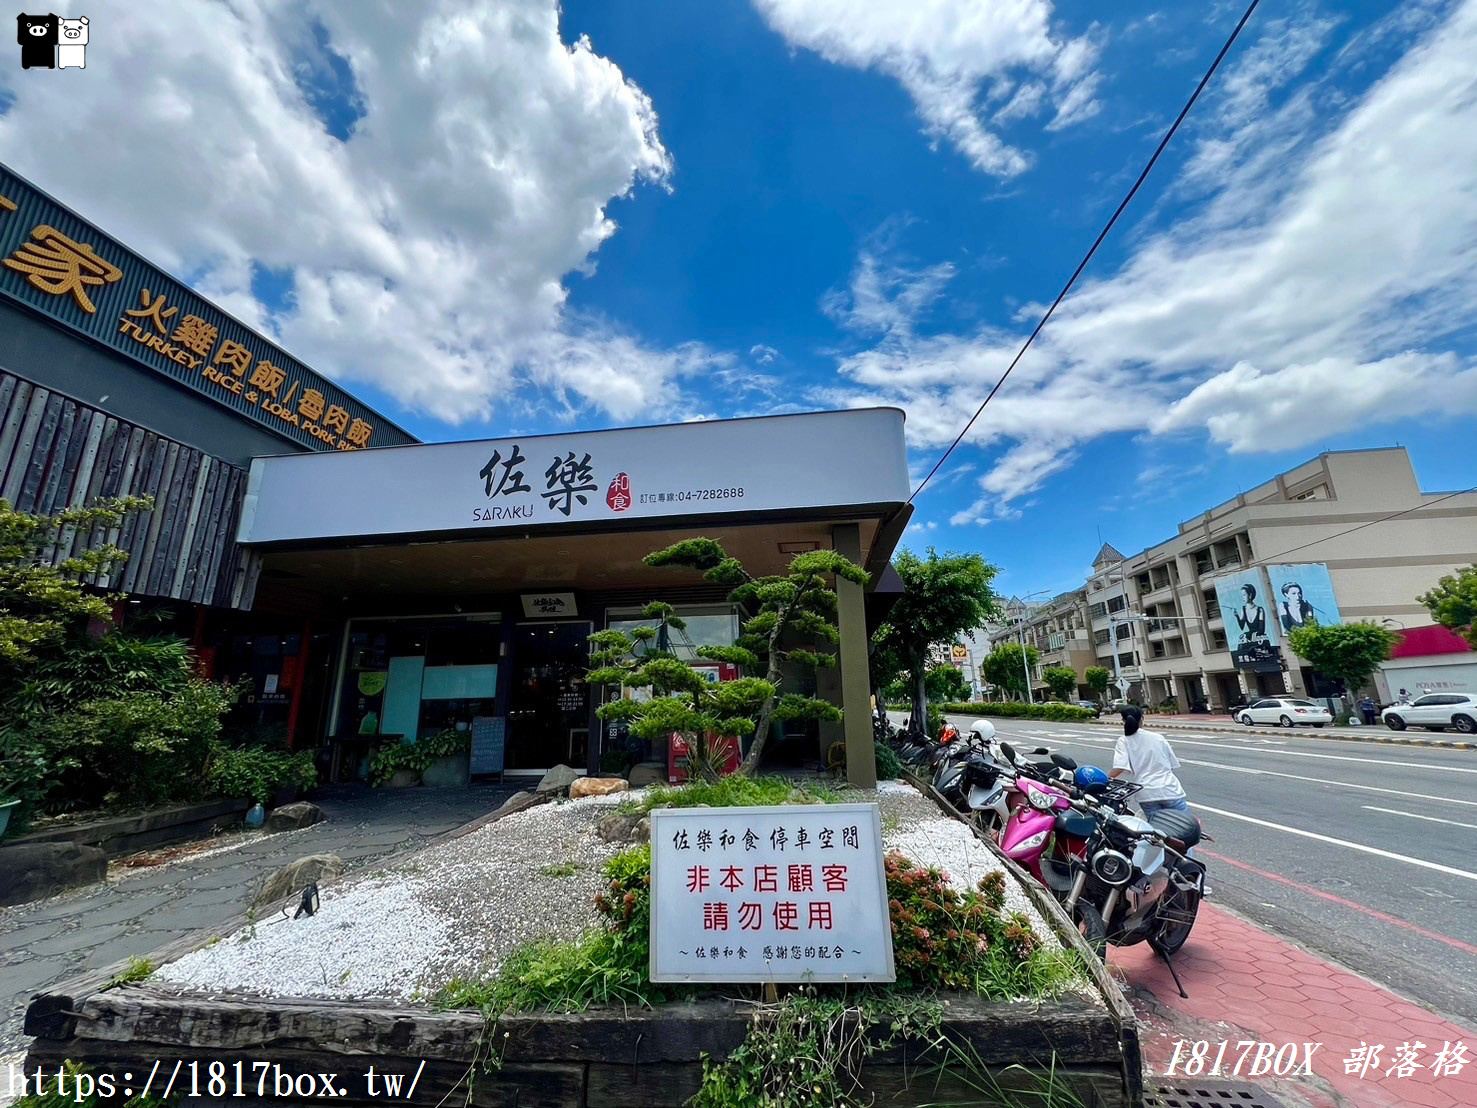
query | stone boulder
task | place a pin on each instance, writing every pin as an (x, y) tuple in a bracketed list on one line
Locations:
[(598, 786), (290, 817), (29, 871), (647, 774), (624, 827), (291, 879), (557, 781)]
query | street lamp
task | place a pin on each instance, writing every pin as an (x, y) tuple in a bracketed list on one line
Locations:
[(1021, 629)]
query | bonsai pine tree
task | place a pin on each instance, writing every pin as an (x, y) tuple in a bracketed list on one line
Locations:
[(789, 613)]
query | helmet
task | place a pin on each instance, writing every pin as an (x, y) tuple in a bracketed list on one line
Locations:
[(1089, 778), (983, 728)]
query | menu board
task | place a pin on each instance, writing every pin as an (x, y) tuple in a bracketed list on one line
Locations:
[(489, 734)]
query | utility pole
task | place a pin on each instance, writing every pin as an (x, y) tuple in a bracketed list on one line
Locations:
[(1025, 662)]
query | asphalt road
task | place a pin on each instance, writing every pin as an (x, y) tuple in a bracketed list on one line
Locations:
[(1364, 853)]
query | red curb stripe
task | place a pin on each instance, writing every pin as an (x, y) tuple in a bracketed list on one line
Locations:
[(1457, 943)]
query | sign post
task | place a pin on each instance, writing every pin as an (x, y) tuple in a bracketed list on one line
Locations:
[(770, 894)]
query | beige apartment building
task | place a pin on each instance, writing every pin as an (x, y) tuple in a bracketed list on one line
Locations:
[(1360, 513)]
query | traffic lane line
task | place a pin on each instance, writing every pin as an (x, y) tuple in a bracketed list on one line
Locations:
[(1417, 815), (1383, 917), (1346, 844), (1255, 746)]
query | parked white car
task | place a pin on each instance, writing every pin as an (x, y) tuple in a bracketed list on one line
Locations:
[(1286, 711), (1435, 712)]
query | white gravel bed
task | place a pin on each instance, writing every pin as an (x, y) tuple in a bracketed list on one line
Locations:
[(459, 908), (456, 908)]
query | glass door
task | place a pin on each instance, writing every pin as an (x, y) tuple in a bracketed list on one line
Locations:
[(549, 701)]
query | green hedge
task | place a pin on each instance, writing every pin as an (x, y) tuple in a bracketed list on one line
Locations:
[(1057, 712)]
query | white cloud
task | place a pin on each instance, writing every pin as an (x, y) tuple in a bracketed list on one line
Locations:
[(763, 355), (1324, 292), (428, 251), (945, 53)]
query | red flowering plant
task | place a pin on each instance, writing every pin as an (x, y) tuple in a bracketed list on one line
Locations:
[(944, 938)]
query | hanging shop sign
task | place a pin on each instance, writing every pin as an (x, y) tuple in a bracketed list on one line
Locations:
[(546, 604), (719, 468), (59, 265), (784, 893)]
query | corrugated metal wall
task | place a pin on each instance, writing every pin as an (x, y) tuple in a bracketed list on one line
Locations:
[(56, 453)]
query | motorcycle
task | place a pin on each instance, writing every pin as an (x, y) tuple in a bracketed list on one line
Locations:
[(1121, 878)]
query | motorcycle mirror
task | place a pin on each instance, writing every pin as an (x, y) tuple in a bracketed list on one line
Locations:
[(1062, 761), (1041, 750), (1008, 751)]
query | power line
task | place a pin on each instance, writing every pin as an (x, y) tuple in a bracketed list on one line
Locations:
[(1103, 234), (1369, 523)]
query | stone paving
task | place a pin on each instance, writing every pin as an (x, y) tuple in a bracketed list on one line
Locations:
[(138, 911), (1248, 984)]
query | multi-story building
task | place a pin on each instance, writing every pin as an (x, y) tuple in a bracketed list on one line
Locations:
[(1057, 628), (1359, 513)]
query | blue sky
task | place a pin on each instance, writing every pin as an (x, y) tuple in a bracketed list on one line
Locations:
[(504, 218)]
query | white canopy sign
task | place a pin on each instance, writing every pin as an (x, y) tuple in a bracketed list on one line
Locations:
[(721, 467), (786, 893)]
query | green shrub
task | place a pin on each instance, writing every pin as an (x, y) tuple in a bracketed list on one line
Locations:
[(889, 765), (1009, 709), (136, 749), (257, 773), (616, 762), (943, 938), (732, 791), (417, 756)]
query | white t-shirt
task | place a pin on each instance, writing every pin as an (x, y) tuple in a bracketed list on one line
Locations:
[(1147, 760)]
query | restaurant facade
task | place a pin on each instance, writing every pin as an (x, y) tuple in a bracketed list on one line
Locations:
[(366, 587)]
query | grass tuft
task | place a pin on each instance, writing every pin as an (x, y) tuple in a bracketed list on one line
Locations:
[(731, 792), (138, 969)]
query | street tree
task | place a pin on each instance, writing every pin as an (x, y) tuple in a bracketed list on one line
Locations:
[(943, 597), (946, 684), (1453, 603), (1061, 680), (790, 609), (1347, 652), (1003, 667), (1097, 678)]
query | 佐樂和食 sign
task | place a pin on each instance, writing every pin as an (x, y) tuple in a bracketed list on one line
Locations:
[(787, 893)]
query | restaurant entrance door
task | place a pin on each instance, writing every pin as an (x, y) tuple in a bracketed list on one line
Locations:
[(548, 700)]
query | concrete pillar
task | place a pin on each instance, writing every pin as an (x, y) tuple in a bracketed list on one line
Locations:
[(856, 691)]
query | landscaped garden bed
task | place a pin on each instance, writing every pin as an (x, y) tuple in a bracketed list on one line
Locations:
[(512, 960)]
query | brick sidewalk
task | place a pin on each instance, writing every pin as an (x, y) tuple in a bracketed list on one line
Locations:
[(1246, 983)]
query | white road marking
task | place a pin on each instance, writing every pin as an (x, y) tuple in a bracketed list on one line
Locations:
[(1326, 781), (1175, 740), (1376, 851), (1415, 815)]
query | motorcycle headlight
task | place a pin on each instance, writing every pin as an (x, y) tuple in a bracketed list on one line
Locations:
[(1111, 868), (1042, 801)]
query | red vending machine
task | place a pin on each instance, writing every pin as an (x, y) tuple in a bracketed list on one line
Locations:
[(729, 753)]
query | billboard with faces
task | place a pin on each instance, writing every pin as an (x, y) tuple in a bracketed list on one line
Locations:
[(1302, 596)]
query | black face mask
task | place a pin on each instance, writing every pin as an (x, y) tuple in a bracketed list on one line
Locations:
[(1132, 718)]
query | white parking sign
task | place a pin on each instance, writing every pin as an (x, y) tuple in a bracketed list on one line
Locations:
[(786, 893)]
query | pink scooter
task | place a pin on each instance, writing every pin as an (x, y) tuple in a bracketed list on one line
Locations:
[(1045, 833)]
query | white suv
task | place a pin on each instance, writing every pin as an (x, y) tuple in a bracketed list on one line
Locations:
[(1435, 712)]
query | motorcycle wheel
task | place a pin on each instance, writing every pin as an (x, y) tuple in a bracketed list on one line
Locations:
[(1090, 926), (1173, 935)]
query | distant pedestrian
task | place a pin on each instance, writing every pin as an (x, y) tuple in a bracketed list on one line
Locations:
[(1403, 698), (1366, 709)]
